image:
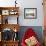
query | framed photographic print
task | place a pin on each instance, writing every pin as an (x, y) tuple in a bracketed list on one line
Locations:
[(30, 13), (13, 12), (5, 12)]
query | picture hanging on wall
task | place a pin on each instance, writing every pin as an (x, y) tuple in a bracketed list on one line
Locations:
[(30, 13)]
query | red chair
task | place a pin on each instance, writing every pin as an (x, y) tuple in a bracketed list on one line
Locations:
[(29, 33)]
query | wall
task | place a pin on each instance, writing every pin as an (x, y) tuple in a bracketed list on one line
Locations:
[(27, 4), (32, 4)]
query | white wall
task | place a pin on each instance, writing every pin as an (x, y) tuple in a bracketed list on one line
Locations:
[(27, 4)]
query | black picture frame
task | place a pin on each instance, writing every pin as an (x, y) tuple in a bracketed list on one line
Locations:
[(30, 13)]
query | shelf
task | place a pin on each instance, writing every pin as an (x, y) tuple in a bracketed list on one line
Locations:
[(11, 41), (5, 8), (9, 10), (10, 26)]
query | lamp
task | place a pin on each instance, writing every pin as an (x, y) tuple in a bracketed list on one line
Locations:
[(15, 3)]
